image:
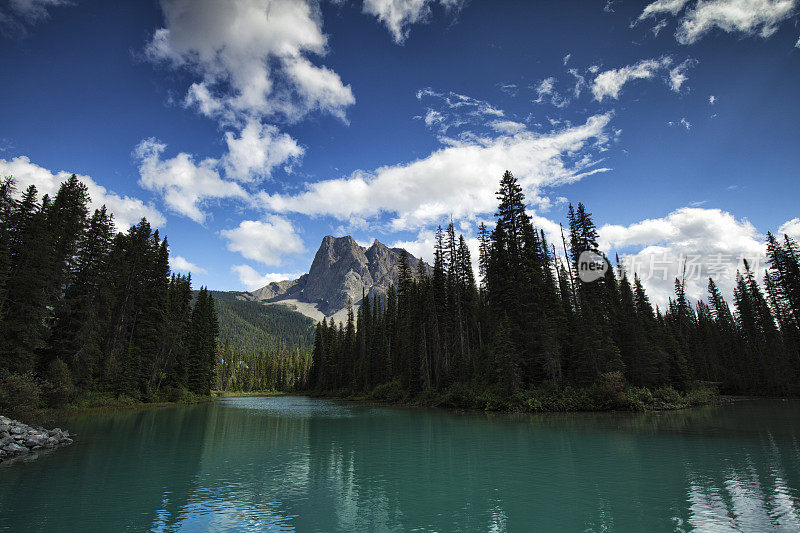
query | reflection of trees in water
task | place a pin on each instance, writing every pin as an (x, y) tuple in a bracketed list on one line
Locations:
[(732, 465), (303, 464), (253, 471)]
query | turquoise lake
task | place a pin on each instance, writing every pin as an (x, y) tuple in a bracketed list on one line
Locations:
[(301, 464)]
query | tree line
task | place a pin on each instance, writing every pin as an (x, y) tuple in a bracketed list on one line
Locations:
[(532, 323), (275, 367), (86, 309)]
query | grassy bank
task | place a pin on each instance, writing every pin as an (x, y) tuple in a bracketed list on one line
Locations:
[(603, 396), (234, 394)]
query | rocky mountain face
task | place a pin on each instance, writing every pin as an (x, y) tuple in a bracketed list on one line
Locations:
[(342, 270)]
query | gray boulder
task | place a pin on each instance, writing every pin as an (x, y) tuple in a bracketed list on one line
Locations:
[(15, 449)]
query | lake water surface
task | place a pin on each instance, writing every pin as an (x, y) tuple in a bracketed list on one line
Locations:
[(301, 464)]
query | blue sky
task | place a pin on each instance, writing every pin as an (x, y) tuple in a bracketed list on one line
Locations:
[(247, 131)]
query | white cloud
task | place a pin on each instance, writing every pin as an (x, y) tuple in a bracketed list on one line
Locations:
[(546, 88), (508, 88), (686, 124), (712, 99), (459, 179), (508, 127), (434, 118), (266, 241), (457, 110), (21, 13), (181, 264), (658, 27), (184, 184), (452, 100), (791, 228), (710, 242), (398, 15), (660, 7), (126, 210), (251, 57), (566, 59), (257, 150), (251, 279), (797, 44), (748, 17), (580, 82), (609, 83), (679, 74)]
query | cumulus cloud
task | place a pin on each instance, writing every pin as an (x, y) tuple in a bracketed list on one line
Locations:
[(257, 150), (181, 264), (184, 184), (459, 179), (251, 57), (712, 99), (709, 242), (747, 17), (251, 279), (609, 83), (686, 124), (126, 210), (266, 241), (791, 228), (399, 15), (18, 15)]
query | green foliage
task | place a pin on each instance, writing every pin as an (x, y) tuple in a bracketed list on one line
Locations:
[(87, 313), (57, 383), (392, 392), (19, 394), (277, 368), (640, 399)]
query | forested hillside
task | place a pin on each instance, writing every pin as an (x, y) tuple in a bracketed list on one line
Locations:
[(253, 326), (261, 347), (85, 310), (535, 336)]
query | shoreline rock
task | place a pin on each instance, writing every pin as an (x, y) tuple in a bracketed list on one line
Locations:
[(18, 439)]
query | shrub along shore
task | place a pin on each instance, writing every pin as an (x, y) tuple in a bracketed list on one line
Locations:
[(609, 394)]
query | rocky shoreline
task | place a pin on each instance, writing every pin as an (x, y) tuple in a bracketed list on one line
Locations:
[(18, 439)]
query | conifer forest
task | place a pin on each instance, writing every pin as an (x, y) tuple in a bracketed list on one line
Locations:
[(531, 335), (86, 310)]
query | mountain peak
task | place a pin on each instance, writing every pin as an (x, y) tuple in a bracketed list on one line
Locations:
[(342, 271)]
